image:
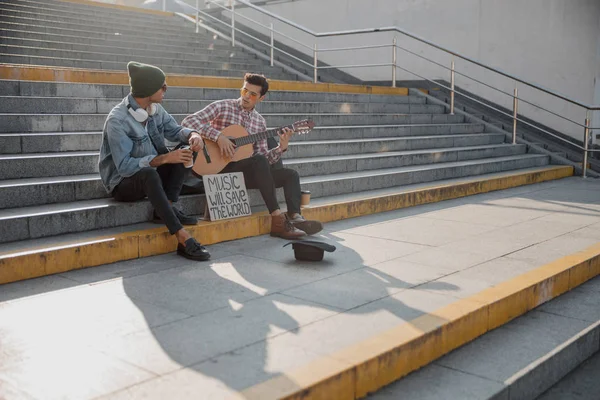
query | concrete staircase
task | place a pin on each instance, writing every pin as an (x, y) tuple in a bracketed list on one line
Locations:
[(50, 131), (85, 36), (564, 149), (48, 166)]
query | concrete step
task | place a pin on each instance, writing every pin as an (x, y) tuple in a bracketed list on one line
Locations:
[(48, 164), (40, 257), (194, 43), (205, 60), (560, 154), (115, 18), (122, 66), (70, 105), (14, 143), (81, 216), (329, 185), (197, 44), (104, 91), (581, 380), (133, 50), (330, 148), (381, 131), (62, 89), (331, 119), (17, 166), (15, 123), (92, 15), (82, 9), (56, 219), (519, 360), (332, 165), (66, 187), (18, 193), (164, 60), (176, 28)]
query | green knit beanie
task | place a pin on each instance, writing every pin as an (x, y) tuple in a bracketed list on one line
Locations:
[(145, 80)]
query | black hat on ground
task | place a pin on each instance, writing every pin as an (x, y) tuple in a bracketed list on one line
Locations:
[(310, 250)]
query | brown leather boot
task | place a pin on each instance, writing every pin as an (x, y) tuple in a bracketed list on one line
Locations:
[(310, 227), (283, 228)]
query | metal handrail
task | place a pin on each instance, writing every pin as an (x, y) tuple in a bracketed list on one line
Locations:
[(198, 12), (240, 15), (420, 39), (492, 87), (399, 30), (499, 110), (376, 46), (453, 91), (258, 23), (357, 66)]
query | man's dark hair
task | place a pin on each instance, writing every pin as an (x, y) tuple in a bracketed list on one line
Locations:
[(258, 80)]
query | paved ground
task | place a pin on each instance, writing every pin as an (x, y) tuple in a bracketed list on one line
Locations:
[(165, 327)]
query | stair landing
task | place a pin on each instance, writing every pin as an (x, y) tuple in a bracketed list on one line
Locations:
[(403, 288)]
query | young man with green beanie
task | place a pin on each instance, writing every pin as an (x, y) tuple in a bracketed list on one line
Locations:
[(134, 161)]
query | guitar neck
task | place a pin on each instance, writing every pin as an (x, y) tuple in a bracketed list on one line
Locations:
[(260, 136)]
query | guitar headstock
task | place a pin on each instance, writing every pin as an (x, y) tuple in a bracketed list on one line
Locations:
[(304, 126)]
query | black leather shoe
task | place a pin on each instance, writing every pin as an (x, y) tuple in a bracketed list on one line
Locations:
[(193, 250)]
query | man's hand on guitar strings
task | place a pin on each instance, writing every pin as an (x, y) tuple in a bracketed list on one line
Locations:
[(227, 147), (284, 138)]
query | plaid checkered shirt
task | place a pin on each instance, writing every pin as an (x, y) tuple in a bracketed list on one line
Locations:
[(215, 117)]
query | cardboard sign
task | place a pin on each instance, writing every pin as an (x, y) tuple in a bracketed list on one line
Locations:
[(226, 196)]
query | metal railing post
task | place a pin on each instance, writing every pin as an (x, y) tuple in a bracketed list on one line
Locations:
[(316, 78), (272, 42), (452, 87), (197, 16), (233, 23), (164, 7), (394, 62), (515, 111), (586, 139)]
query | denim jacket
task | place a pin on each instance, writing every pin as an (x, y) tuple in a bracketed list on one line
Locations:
[(127, 148)]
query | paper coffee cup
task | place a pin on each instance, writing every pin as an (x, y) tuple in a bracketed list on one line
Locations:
[(305, 197), (191, 163)]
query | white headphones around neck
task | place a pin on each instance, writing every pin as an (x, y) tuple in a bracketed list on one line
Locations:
[(140, 114)]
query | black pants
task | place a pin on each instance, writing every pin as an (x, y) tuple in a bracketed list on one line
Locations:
[(258, 174), (160, 185)]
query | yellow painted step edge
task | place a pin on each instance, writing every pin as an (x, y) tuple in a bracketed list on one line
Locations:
[(44, 261), (78, 75), (365, 367)]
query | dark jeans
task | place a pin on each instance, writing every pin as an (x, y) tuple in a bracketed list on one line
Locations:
[(160, 185), (258, 174)]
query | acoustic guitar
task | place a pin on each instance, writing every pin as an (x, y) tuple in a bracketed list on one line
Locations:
[(210, 161)]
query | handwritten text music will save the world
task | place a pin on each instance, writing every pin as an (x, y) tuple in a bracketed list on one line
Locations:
[(226, 195)]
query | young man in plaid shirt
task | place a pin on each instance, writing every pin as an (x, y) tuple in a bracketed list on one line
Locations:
[(258, 171)]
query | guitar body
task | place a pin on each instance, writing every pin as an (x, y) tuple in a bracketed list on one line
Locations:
[(218, 162), (210, 161)]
